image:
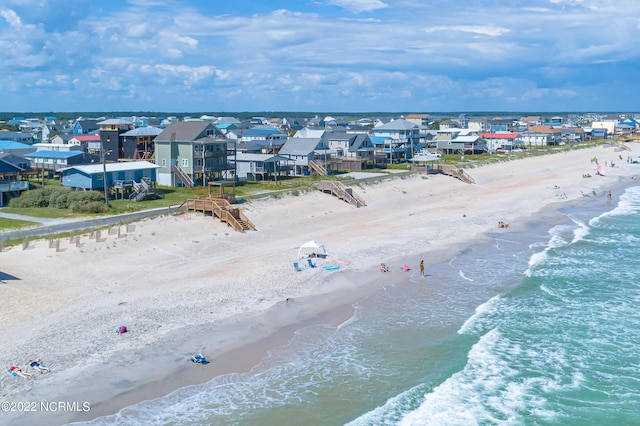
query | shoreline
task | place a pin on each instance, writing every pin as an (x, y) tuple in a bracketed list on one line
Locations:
[(362, 258)]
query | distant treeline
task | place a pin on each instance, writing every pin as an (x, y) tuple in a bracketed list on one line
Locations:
[(5, 116)]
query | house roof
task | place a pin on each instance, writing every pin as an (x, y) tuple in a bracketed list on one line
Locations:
[(86, 138), (310, 132), (143, 131), (356, 141), (262, 132), (13, 145), (466, 139), (299, 146), (12, 160), (114, 121), (499, 135), (260, 158), (184, 131), (54, 154), (400, 124), (113, 167)]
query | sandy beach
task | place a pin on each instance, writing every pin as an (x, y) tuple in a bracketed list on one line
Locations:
[(186, 283)]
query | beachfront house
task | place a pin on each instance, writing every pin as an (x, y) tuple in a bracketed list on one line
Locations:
[(500, 141), (11, 167), (191, 153), (396, 140), (350, 151), (123, 179), (541, 136), (139, 142), (255, 167), (306, 155), (51, 161), (444, 141), (111, 139)]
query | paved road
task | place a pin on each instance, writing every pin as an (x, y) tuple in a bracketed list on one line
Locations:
[(55, 226)]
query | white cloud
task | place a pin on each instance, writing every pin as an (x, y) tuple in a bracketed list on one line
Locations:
[(475, 29), (299, 59), (11, 17), (358, 5)]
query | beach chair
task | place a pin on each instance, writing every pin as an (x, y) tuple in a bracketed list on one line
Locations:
[(311, 264), (299, 267)]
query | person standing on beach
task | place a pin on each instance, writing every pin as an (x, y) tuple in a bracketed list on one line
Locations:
[(422, 268)]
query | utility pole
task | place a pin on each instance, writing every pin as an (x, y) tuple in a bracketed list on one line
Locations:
[(104, 173)]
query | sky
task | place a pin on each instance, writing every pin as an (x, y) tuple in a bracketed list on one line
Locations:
[(320, 55)]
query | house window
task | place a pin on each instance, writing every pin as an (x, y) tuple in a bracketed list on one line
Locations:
[(185, 162), (164, 162)]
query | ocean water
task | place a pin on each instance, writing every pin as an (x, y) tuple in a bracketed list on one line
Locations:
[(540, 327)]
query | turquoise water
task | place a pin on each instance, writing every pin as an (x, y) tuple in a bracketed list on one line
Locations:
[(534, 328)]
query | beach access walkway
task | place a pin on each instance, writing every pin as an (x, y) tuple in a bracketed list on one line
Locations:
[(56, 226)]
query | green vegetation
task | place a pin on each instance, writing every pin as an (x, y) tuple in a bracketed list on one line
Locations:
[(54, 201), (61, 198), (9, 224)]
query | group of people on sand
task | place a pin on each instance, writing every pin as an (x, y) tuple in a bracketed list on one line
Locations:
[(405, 268), (36, 365)]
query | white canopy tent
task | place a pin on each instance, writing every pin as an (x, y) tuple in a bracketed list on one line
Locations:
[(312, 248)]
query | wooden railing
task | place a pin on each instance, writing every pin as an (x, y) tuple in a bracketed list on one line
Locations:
[(456, 173), (13, 185), (338, 189), (318, 168), (183, 176), (220, 208)]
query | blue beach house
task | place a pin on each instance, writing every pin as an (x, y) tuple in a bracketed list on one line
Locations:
[(90, 177)]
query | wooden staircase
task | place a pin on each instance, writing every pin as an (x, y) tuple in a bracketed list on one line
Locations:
[(183, 176), (143, 191), (220, 208), (456, 173), (621, 145), (318, 168), (338, 189)]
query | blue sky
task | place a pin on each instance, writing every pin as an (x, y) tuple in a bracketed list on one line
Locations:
[(319, 55)]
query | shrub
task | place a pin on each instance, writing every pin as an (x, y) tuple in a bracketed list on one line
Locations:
[(60, 198), (92, 207)]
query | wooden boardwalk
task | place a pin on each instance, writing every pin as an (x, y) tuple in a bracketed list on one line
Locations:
[(222, 209), (338, 189)]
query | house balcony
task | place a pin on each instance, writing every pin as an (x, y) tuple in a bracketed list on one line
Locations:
[(210, 154), (13, 185)]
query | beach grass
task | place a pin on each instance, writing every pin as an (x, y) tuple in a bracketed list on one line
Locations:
[(7, 224)]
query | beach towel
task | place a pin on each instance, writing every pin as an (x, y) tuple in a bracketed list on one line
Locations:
[(299, 267), (13, 373), (331, 267), (199, 359), (122, 329)]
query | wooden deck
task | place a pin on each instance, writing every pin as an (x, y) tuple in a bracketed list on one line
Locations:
[(220, 208)]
